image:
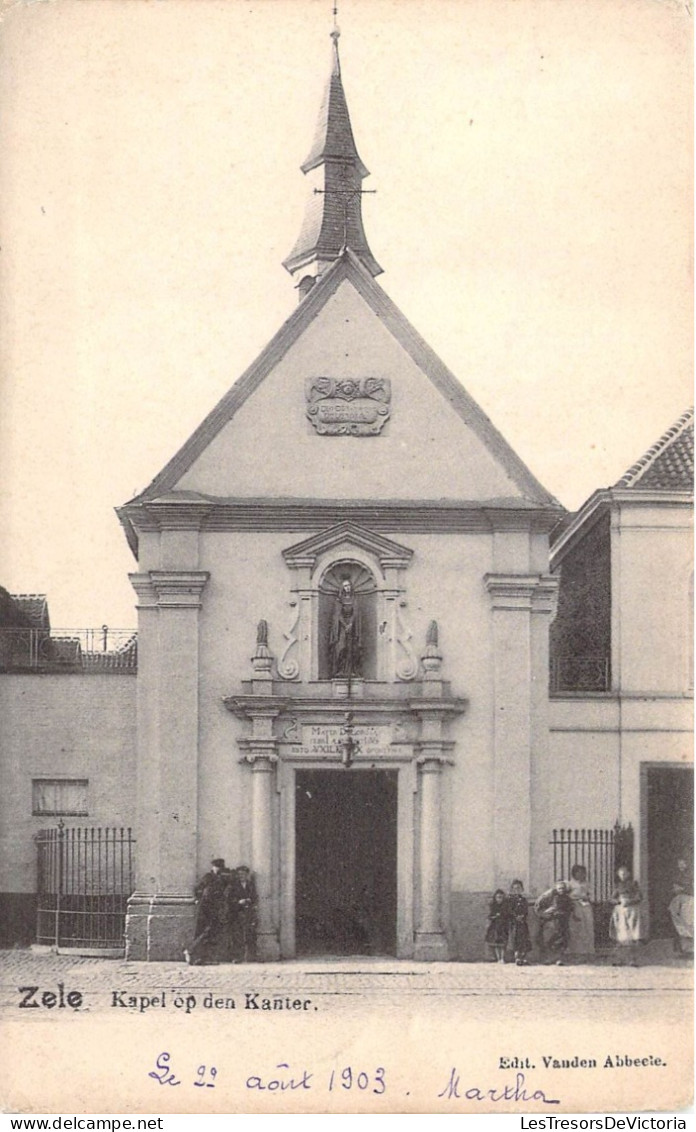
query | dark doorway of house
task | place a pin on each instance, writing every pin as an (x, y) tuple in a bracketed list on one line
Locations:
[(345, 894), (670, 805)]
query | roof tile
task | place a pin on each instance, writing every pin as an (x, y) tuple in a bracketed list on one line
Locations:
[(34, 608), (668, 465)]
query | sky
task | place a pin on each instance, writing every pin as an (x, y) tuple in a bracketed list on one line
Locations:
[(532, 161)]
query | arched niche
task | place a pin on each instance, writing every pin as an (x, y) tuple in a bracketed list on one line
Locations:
[(363, 630), (375, 566)]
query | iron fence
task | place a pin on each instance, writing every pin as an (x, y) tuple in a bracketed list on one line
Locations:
[(593, 848), (601, 852), (69, 650), (85, 876)]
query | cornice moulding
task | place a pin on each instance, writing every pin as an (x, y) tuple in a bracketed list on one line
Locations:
[(522, 591), (612, 499), (179, 588), (416, 516)]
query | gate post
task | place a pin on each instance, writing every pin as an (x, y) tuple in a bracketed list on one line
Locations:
[(60, 846)]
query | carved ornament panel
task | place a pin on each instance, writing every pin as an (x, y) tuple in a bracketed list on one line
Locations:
[(348, 406)]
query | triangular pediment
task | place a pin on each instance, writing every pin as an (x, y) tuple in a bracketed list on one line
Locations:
[(343, 536), (438, 445)]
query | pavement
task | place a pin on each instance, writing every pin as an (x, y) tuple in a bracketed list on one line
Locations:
[(423, 1024), (660, 974)]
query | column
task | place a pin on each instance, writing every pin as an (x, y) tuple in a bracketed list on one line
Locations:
[(431, 943), (261, 754), (160, 912), (262, 789)]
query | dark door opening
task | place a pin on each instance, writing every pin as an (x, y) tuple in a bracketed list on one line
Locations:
[(345, 879), (670, 814)]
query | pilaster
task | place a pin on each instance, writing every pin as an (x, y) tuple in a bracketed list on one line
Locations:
[(160, 912), (517, 676), (544, 602)]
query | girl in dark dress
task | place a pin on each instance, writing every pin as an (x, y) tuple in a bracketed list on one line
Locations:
[(518, 910), (498, 925)]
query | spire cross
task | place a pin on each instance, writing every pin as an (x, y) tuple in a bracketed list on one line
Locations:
[(335, 32), (344, 193)]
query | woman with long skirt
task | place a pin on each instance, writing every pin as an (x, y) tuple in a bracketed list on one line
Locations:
[(625, 926), (581, 927)]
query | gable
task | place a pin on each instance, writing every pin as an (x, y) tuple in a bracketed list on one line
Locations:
[(436, 443)]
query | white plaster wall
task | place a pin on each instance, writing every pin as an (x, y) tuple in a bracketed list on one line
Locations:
[(596, 752), (249, 581), (583, 777), (270, 450), (67, 726), (445, 584), (651, 572)]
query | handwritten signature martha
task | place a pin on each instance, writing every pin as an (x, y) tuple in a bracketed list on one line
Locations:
[(518, 1093)]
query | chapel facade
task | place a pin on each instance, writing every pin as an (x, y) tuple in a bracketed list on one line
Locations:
[(343, 612), (376, 661)]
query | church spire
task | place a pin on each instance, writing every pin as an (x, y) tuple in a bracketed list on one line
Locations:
[(333, 219)]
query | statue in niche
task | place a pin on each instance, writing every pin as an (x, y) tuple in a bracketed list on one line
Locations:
[(344, 639)]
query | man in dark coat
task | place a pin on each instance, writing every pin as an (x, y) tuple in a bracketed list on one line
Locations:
[(241, 899), (212, 917)]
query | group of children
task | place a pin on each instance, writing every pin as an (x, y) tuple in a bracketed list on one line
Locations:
[(565, 920), (507, 924)]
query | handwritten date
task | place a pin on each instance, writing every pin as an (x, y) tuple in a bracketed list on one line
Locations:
[(281, 1078), (345, 1078), (164, 1074)]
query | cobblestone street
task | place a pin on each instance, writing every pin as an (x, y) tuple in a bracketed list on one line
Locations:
[(357, 976), (408, 1028)]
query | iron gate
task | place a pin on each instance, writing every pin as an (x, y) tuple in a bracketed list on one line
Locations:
[(85, 876)]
